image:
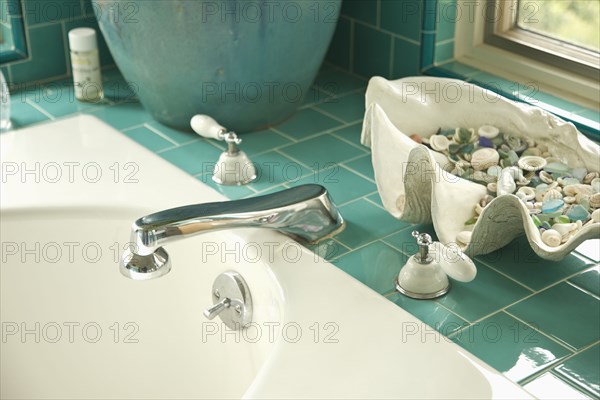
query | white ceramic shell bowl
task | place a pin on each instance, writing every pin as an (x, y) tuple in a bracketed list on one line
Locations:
[(414, 187)]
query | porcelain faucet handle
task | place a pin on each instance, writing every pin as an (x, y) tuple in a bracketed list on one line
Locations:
[(454, 262), (207, 127)]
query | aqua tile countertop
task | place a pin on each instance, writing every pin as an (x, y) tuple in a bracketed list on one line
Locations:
[(536, 321)]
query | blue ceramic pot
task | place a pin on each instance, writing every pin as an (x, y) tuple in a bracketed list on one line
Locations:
[(248, 64)]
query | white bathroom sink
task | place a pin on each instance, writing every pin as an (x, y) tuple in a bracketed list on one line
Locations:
[(74, 327)]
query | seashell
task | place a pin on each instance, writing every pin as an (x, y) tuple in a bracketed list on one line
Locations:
[(485, 158), (579, 191), (564, 229), (528, 192), (552, 194), (439, 143), (595, 184), (478, 209), (569, 199), (552, 238), (485, 200), (546, 177), (595, 201), (464, 237), (492, 187), (488, 131), (547, 155), (532, 163), (517, 144), (506, 183), (530, 142), (590, 177), (595, 216), (542, 147), (416, 138)]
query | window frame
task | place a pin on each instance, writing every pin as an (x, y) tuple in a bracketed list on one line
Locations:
[(572, 81)]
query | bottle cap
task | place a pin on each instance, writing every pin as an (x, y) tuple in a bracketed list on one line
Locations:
[(82, 39)]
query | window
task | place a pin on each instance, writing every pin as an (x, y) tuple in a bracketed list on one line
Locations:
[(553, 44)]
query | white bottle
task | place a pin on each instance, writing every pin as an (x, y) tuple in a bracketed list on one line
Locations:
[(5, 123), (85, 64)]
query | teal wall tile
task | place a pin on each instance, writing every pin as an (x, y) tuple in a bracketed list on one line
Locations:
[(148, 139), (44, 11), (372, 51), (348, 107), (343, 184), (363, 165), (339, 49), (444, 52), (47, 56), (322, 151), (486, 294), (365, 221), (376, 265), (520, 262), (429, 15), (593, 115), (430, 313), (407, 59), (564, 312), (274, 169), (351, 133), (427, 50), (176, 136), (307, 122), (402, 17), (511, 347), (329, 249), (23, 114), (362, 10), (127, 115), (259, 142), (447, 16), (404, 240), (56, 98), (583, 370), (589, 280), (194, 158), (336, 82), (376, 199)]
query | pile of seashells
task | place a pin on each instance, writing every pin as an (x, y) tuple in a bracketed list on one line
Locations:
[(560, 199)]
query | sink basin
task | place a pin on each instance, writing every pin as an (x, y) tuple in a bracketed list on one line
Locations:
[(74, 327)]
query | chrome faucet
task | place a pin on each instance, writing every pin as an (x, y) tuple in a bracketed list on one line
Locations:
[(305, 212)]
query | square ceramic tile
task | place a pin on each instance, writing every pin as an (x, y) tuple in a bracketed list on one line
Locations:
[(123, 116), (583, 370), (314, 96), (47, 55), (376, 265), (486, 294), (58, 98), (323, 151), (550, 387), (375, 198), (337, 82), (589, 280), (362, 10), (593, 115), (175, 135), (511, 347), (339, 50), (273, 169), (44, 11), (342, 184), (402, 17), (366, 222), (148, 139), (348, 108), (23, 114), (363, 166), (372, 50), (262, 141), (194, 158), (307, 122), (520, 262), (407, 56), (564, 312), (447, 16), (430, 313), (351, 133), (444, 52), (329, 250), (404, 240)]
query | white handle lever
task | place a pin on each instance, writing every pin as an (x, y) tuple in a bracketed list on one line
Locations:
[(454, 262), (207, 127)]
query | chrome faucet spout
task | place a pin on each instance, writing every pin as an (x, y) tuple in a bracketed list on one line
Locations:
[(305, 212)]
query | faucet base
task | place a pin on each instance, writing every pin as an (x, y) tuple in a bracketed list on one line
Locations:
[(422, 296), (140, 267)]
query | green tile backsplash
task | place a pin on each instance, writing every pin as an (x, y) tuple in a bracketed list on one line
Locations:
[(547, 312)]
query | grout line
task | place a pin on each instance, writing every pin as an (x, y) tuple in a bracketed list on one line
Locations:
[(329, 115), (40, 109), (285, 135), (555, 340), (159, 133), (129, 128), (504, 274), (387, 32)]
